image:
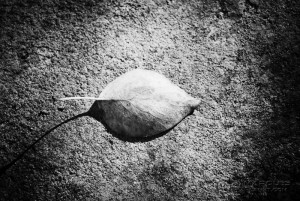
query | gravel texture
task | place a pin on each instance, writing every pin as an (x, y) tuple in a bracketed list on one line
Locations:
[(240, 58)]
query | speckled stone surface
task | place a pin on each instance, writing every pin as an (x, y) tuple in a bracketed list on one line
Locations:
[(240, 60)]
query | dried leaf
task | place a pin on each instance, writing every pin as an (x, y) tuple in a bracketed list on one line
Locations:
[(142, 103)]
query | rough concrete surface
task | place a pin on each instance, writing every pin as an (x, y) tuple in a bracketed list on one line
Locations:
[(240, 58)]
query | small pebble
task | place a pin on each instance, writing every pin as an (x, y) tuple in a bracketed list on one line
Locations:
[(44, 112), (254, 2)]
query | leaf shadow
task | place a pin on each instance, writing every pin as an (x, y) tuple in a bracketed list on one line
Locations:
[(94, 113)]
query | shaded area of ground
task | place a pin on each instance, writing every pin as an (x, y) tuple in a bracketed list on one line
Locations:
[(240, 57), (274, 172)]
